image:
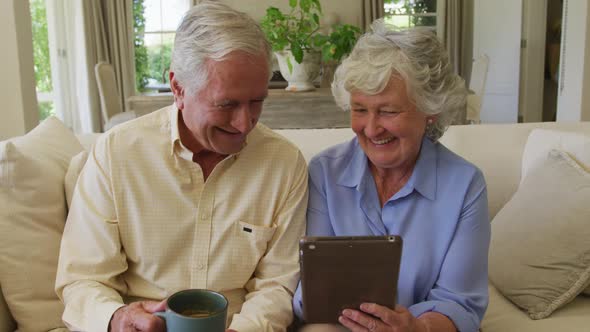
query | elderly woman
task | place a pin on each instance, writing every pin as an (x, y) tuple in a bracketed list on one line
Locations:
[(395, 178)]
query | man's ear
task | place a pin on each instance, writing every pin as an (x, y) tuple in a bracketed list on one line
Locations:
[(177, 90)]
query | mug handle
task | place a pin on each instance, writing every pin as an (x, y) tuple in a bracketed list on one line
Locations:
[(161, 314)]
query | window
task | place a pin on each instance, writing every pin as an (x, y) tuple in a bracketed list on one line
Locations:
[(411, 13), (41, 59), (155, 23)]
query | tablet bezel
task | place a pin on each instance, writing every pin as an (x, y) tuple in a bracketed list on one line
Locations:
[(327, 264)]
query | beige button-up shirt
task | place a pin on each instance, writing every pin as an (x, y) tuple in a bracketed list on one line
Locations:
[(144, 224)]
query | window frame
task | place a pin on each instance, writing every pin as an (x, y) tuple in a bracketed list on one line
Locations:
[(156, 90), (439, 14)]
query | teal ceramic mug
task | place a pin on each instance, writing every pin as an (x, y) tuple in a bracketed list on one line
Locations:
[(195, 310)]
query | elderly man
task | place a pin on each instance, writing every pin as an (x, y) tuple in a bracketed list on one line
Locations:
[(196, 195)]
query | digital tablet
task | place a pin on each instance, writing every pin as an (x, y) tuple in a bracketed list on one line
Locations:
[(340, 272)]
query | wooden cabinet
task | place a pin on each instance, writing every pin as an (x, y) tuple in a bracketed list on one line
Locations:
[(282, 109)]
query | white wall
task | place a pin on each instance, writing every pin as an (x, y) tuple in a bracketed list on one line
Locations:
[(496, 33), (573, 100), (17, 83)]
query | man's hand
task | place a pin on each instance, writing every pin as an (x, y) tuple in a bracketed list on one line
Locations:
[(137, 316)]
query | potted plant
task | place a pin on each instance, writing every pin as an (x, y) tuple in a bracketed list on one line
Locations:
[(336, 45), (298, 44)]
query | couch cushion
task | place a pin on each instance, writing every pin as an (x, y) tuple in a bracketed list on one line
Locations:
[(539, 253), (541, 141), (313, 141), (32, 218), (497, 150), (503, 316)]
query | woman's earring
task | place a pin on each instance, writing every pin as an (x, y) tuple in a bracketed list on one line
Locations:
[(429, 121)]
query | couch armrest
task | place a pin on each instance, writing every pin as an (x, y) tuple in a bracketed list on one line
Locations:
[(7, 323)]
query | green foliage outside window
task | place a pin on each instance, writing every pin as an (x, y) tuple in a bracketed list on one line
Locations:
[(409, 9), (141, 54), (40, 46), (159, 61), (45, 110), (41, 62)]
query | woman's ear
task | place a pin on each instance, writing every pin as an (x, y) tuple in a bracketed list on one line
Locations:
[(177, 90)]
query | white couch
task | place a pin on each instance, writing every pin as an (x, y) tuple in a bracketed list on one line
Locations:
[(497, 150)]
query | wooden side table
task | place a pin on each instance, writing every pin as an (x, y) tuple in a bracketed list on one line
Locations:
[(281, 110), (312, 109)]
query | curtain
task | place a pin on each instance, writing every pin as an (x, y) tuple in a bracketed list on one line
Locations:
[(452, 36), (109, 38), (372, 10), (81, 34), (456, 32)]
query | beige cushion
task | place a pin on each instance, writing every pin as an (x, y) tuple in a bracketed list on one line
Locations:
[(32, 218), (503, 316), (541, 141), (539, 253)]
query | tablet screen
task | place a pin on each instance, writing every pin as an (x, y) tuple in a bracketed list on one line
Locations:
[(343, 272)]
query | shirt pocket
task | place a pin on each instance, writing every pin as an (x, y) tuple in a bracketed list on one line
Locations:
[(250, 244)]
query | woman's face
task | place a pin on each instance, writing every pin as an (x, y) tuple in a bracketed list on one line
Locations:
[(388, 126)]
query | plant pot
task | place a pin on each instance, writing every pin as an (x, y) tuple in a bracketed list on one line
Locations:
[(302, 75), (328, 70)]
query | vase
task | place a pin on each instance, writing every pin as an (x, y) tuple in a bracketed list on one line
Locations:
[(301, 75)]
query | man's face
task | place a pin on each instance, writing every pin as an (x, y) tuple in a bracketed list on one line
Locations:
[(219, 116)]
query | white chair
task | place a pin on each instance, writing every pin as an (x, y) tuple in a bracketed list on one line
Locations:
[(110, 103), (477, 83)]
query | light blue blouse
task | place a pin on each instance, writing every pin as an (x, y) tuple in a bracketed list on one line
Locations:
[(441, 214)]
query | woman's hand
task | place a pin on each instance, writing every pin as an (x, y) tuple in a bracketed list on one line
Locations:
[(376, 318)]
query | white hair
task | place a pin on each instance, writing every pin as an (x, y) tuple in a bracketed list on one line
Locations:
[(416, 56), (211, 31)]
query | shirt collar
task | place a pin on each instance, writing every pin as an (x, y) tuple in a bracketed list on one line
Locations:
[(175, 142), (423, 178), (356, 168)]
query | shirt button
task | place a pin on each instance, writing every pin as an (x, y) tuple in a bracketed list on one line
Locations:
[(200, 266), (204, 216)]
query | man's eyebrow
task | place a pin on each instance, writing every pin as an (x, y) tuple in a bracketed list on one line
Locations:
[(224, 102)]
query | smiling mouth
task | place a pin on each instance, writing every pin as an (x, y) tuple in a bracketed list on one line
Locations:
[(382, 141), (228, 132)]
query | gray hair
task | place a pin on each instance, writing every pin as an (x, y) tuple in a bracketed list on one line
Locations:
[(210, 31), (418, 57)]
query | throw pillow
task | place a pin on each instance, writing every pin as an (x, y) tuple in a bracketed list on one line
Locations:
[(539, 253), (32, 218), (541, 141)]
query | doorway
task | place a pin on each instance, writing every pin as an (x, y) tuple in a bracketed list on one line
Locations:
[(552, 52)]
